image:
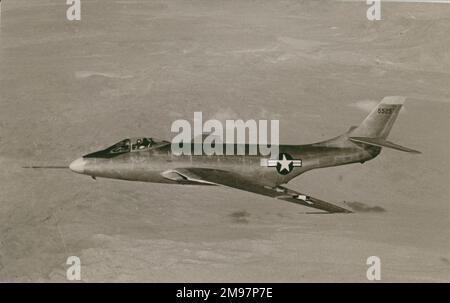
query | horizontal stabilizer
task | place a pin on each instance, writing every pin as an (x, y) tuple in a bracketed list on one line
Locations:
[(383, 143)]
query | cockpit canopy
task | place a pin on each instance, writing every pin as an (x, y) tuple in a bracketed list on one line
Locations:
[(128, 145)]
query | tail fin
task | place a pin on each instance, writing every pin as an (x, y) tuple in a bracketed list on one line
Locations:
[(379, 122), (375, 128)]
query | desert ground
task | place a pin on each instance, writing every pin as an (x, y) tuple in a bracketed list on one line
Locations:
[(130, 68)]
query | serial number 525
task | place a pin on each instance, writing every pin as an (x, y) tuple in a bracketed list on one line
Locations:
[(387, 111)]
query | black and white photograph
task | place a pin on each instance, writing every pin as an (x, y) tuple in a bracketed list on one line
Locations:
[(214, 141)]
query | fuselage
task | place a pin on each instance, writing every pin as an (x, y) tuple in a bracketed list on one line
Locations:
[(258, 169), (149, 165)]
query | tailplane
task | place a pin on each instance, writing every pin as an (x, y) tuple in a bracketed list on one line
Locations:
[(383, 143)]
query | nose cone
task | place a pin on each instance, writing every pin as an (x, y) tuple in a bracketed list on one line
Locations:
[(78, 165)]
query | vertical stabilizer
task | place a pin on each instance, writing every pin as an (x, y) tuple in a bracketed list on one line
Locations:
[(379, 122)]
